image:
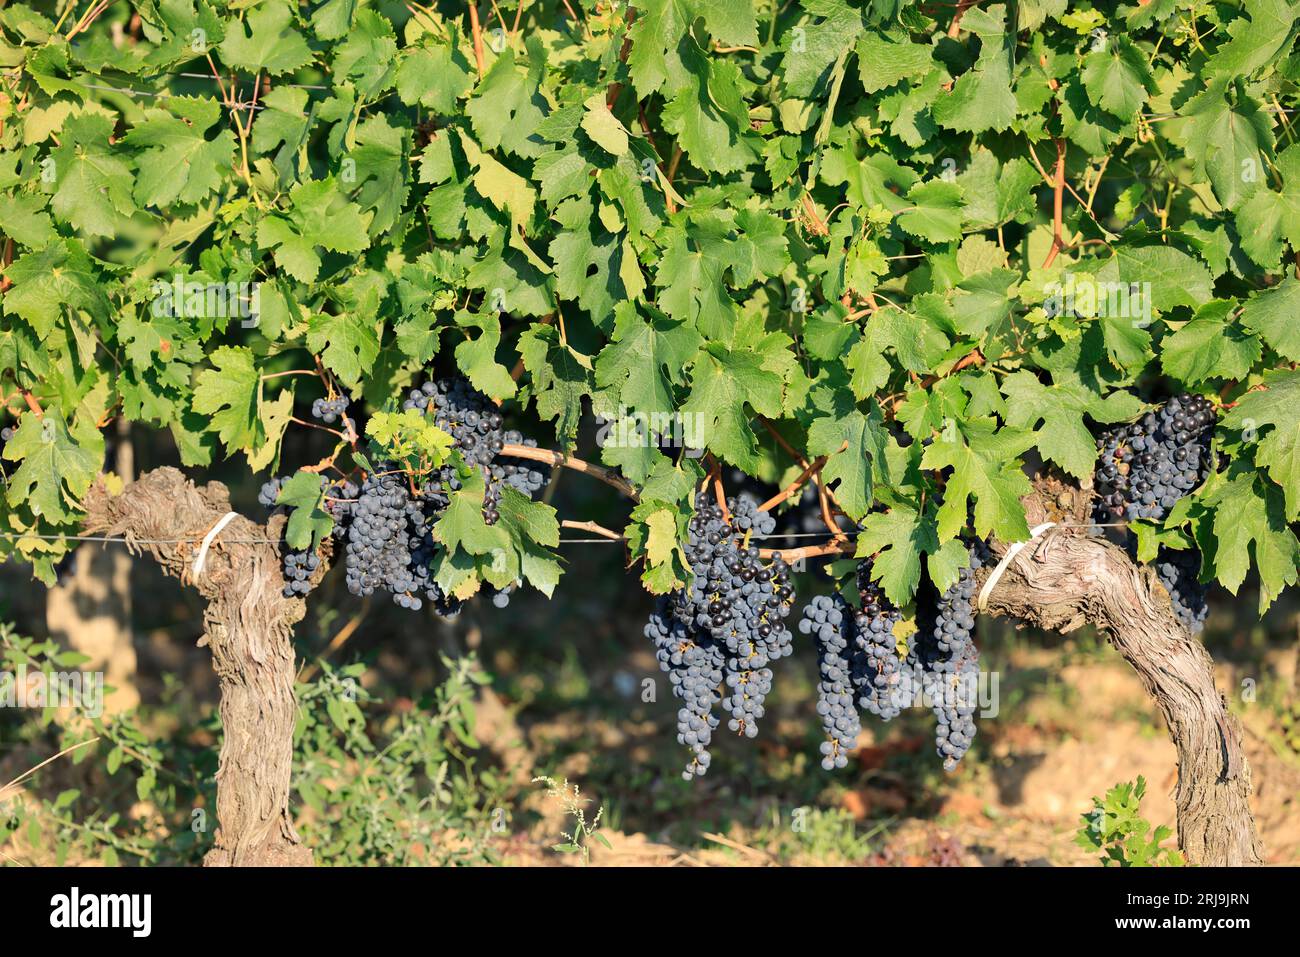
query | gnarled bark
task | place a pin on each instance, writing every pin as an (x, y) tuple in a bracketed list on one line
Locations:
[(1065, 578), (247, 625)]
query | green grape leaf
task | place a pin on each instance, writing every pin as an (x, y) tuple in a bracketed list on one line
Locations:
[(229, 393), (1056, 413), (561, 376), (852, 441), (476, 357), (936, 212), (1250, 525), (179, 163), (266, 40), (320, 217), (646, 359), (985, 470), (1277, 406), (1210, 346), (55, 470), (1271, 314), (309, 523), (1118, 77), (897, 539), (723, 385), (347, 343), (94, 183)]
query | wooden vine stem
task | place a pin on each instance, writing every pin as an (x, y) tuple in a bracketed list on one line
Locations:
[(1066, 579), (560, 460), (247, 625)]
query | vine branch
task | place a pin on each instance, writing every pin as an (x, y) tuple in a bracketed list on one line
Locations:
[(561, 460), (794, 486)]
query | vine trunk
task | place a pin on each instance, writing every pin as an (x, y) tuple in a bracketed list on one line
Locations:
[(248, 625), (1066, 578)]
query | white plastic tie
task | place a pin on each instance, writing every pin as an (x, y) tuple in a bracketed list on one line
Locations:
[(208, 539), (1012, 552)]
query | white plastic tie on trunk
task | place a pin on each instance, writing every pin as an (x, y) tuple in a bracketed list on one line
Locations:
[(1012, 552), (208, 539)]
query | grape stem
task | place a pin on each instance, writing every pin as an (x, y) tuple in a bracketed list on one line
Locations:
[(277, 375), (1058, 196), (719, 493), (954, 28), (560, 460), (594, 528), (973, 358), (615, 88), (477, 30), (312, 425), (799, 457), (794, 486), (792, 555)]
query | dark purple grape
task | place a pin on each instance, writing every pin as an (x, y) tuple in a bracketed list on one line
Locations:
[(717, 637)]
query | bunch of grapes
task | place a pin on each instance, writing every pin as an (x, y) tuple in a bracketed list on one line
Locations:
[(726, 627), (390, 544), (387, 525), (1144, 469), (1148, 465), (299, 566), (695, 664), (270, 490), (881, 667), (1179, 571), (830, 622), (859, 663), (329, 410), (474, 423), (945, 652)]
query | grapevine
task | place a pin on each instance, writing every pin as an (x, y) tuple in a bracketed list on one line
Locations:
[(870, 280)]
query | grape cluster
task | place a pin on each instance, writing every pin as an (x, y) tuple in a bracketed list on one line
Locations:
[(695, 664), (390, 544), (881, 667), (1147, 466), (946, 654), (858, 662), (1144, 469), (474, 423), (1179, 571), (270, 490), (299, 566), (329, 410), (386, 525), (718, 636), (829, 621)]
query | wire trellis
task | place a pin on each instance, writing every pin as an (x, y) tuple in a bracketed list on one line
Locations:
[(848, 533)]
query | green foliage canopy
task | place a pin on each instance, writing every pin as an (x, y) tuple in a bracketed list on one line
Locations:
[(838, 216)]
